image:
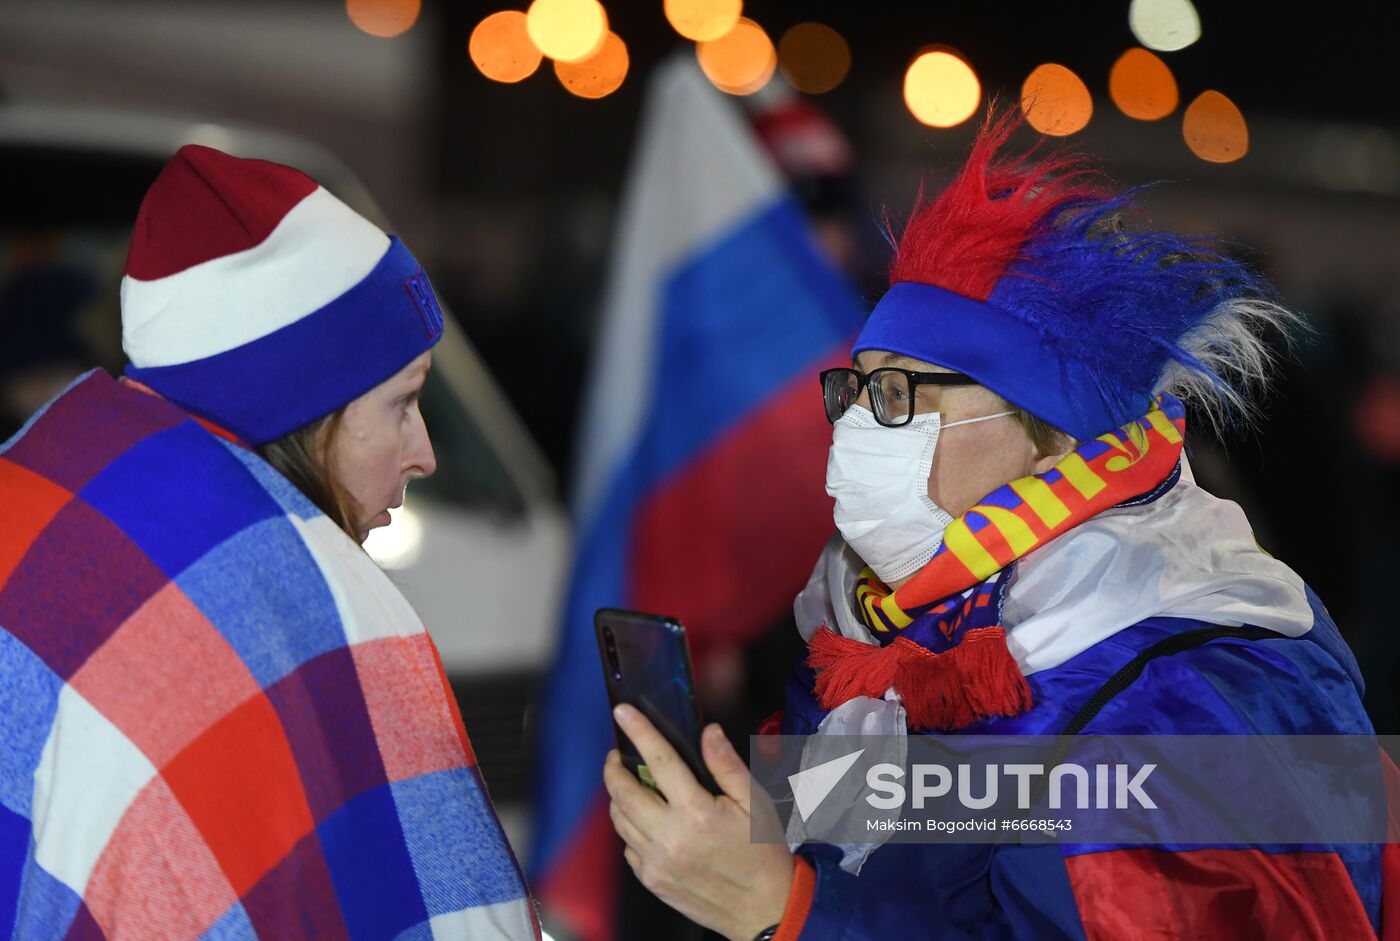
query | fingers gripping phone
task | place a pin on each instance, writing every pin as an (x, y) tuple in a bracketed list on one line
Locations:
[(646, 663)]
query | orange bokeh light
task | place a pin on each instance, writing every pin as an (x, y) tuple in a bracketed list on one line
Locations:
[(741, 61), (940, 88), (567, 30), (600, 74), (1214, 128), (814, 57), (1055, 100), (383, 18), (501, 48), (703, 20), (1142, 86)]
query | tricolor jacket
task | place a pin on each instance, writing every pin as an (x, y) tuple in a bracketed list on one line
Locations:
[(1077, 609)]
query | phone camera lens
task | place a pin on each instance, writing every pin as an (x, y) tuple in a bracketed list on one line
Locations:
[(610, 644)]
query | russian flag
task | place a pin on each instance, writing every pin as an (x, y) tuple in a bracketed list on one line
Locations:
[(703, 445)]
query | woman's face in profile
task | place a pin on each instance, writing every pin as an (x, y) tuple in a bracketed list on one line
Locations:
[(382, 444)]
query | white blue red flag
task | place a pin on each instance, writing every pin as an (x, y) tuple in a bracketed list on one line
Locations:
[(700, 491)]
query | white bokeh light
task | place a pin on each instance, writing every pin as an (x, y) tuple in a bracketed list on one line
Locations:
[(1164, 25)]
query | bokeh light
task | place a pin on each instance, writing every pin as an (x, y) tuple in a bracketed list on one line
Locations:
[(703, 20), (1142, 86), (741, 61), (940, 88), (1055, 100), (400, 544), (501, 48), (567, 30), (1376, 418), (814, 57), (600, 74), (383, 18), (1164, 25), (1214, 128)]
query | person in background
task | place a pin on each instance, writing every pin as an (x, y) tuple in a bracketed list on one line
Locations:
[(819, 166), (1021, 550), (219, 718)]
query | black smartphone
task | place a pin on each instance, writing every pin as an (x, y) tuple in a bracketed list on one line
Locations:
[(646, 663)]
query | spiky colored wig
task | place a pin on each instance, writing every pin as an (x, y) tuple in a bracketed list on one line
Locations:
[(1023, 274)]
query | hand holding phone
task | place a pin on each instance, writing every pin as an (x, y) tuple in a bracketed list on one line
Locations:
[(696, 847), (646, 663)]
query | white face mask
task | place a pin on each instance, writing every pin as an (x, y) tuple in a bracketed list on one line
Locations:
[(879, 479)]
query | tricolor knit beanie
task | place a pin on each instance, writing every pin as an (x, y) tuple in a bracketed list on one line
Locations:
[(257, 300)]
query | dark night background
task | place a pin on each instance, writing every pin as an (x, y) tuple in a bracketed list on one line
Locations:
[(508, 195)]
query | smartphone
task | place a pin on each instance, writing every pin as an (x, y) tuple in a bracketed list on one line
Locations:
[(646, 663)]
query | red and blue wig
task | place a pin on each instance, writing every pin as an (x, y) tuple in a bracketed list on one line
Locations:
[(1023, 274)]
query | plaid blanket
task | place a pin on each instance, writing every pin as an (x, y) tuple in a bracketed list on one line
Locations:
[(218, 718)]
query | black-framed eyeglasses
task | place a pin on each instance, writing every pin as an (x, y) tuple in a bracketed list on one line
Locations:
[(891, 391)]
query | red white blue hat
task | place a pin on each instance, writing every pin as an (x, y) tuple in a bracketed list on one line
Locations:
[(257, 300)]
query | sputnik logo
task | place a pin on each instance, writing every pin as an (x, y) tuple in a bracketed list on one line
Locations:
[(811, 787)]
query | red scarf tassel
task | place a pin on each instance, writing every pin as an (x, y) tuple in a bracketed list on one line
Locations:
[(975, 680)]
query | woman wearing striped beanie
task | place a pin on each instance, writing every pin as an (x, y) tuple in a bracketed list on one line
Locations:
[(220, 718), (1022, 551)]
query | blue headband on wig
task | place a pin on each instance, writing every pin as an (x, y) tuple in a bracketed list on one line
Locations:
[(1000, 351)]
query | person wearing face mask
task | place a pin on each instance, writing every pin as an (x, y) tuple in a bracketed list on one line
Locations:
[(219, 717), (1021, 550)]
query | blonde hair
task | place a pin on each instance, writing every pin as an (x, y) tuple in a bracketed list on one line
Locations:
[(303, 457), (1046, 438)]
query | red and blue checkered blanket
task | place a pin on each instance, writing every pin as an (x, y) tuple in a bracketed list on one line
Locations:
[(218, 718)]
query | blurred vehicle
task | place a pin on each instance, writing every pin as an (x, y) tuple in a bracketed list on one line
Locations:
[(479, 549)]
